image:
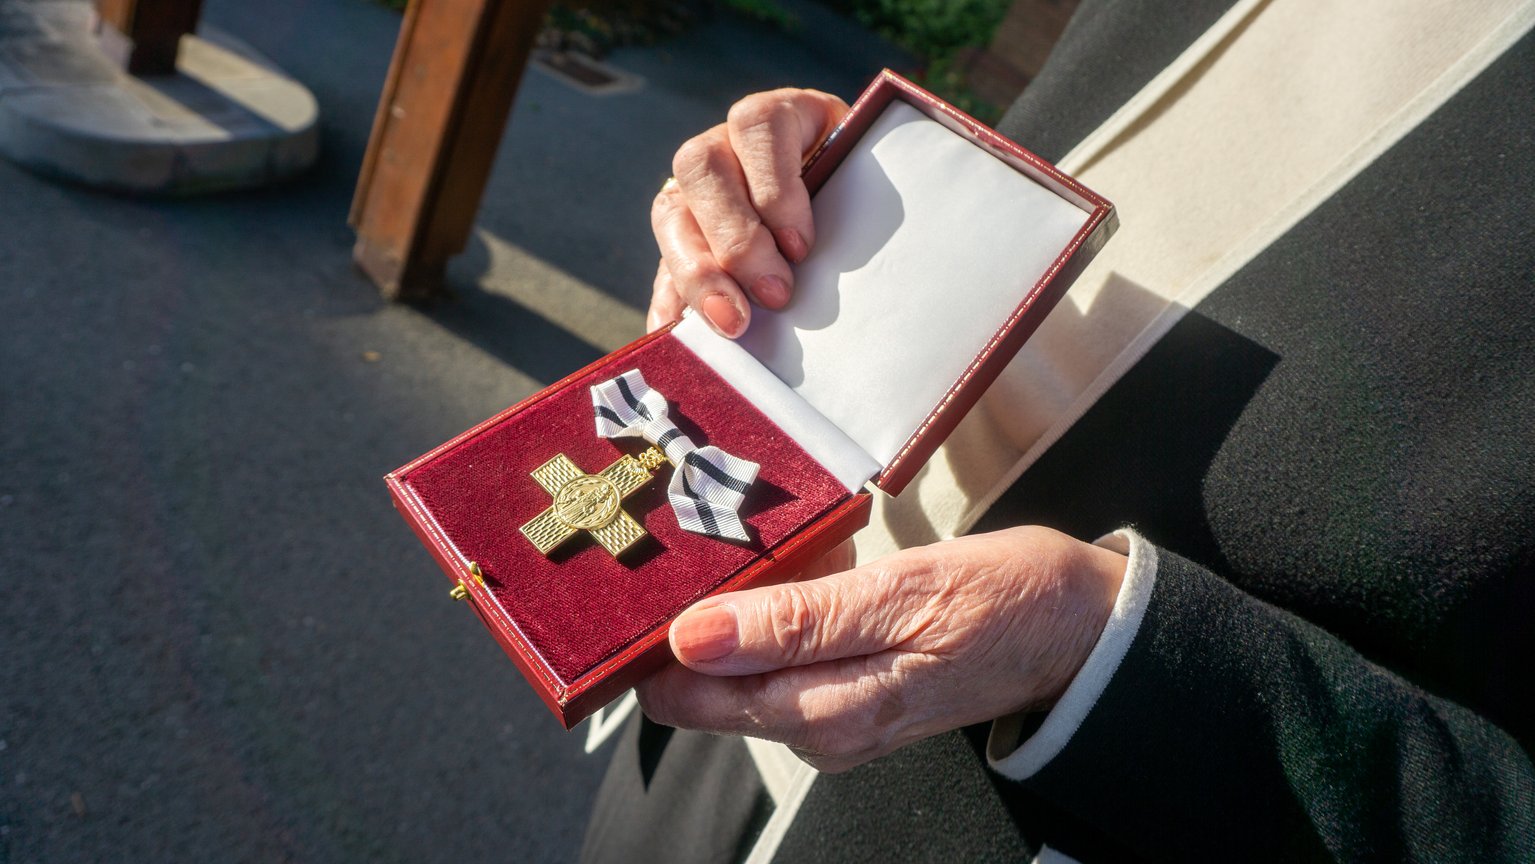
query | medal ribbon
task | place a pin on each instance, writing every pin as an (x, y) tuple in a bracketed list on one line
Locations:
[(709, 484)]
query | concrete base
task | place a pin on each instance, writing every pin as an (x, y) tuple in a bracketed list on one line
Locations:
[(227, 119)]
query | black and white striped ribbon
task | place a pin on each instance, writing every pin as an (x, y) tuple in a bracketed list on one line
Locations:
[(708, 485)]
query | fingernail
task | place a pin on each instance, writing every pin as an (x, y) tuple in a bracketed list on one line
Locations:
[(724, 315), (771, 291), (791, 244), (705, 634)]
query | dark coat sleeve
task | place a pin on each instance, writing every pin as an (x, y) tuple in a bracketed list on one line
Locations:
[(1234, 730)]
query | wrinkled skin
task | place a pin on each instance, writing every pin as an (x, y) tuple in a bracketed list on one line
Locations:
[(853, 664), (848, 663), (737, 213)]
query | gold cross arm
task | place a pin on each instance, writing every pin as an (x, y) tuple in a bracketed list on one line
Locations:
[(590, 502)]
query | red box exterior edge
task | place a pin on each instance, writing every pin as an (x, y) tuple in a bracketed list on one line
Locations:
[(573, 701), (576, 699)]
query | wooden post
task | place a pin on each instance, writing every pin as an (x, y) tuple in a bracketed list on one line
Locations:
[(143, 35), (445, 104)]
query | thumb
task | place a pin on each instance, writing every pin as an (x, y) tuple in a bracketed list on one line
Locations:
[(795, 624)]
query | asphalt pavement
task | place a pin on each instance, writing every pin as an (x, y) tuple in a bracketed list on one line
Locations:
[(218, 642)]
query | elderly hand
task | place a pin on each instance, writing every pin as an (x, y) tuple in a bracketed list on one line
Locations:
[(852, 665), (737, 213)]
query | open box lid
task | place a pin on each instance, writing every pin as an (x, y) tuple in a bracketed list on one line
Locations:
[(940, 247)]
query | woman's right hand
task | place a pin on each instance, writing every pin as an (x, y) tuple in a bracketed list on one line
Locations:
[(736, 213)]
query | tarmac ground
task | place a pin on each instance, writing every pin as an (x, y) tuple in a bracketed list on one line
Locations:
[(218, 642)]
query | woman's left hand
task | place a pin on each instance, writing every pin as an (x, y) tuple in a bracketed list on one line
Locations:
[(849, 666)]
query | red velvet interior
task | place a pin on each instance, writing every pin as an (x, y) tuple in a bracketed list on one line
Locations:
[(580, 606)]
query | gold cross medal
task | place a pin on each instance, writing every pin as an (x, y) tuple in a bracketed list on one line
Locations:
[(705, 491), (590, 502)]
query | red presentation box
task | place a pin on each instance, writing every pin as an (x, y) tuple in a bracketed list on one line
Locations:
[(940, 248)]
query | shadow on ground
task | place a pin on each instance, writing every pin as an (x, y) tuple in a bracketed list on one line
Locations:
[(220, 642)]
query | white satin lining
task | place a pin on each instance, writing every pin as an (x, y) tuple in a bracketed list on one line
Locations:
[(926, 244), (817, 436)]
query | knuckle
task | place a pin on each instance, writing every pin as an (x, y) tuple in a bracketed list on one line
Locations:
[(791, 624), (759, 109), (701, 154), (689, 273), (770, 197), (766, 121), (735, 250)]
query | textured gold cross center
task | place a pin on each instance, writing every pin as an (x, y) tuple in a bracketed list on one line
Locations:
[(590, 502)]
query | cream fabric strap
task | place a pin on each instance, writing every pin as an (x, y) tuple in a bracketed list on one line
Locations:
[(1209, 116)]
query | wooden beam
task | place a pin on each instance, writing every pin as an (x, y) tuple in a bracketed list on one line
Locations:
[(143, 36), (444, 107)]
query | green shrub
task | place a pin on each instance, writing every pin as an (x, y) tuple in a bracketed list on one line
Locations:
[(933, 29)]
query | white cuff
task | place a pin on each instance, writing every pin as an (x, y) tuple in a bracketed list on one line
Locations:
[(1020, 762)]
